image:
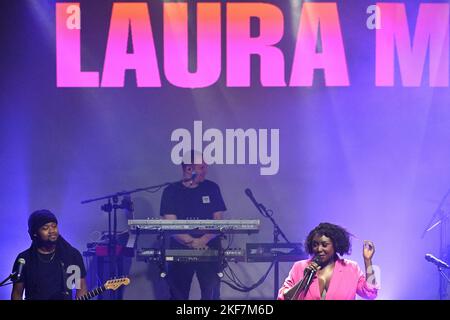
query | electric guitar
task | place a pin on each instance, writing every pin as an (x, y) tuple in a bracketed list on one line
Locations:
[(112, 284)]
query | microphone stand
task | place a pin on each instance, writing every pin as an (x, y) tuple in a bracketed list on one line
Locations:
[(111, 208), (13, 277), (441, 271), (276, 233), (443, 248), (3, 283)]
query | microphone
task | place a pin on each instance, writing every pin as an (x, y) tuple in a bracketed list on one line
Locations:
[(441, 264), (193, 176), (18, 274), (303, 285), (309, 274), (249, 194)]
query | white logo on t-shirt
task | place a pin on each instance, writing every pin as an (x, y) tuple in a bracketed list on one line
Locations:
[(206, 199)]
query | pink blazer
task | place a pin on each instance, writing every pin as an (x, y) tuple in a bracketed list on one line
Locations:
[(347, 281)]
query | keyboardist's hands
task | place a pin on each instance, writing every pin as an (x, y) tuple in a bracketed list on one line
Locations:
[(199, 243)]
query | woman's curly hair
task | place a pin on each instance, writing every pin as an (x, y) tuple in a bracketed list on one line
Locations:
[(338, 235)]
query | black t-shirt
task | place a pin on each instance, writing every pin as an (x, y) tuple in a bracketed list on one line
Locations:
[(48, 271), (192, 203)]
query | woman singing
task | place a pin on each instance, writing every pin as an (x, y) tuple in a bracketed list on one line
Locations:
[(327, 276)]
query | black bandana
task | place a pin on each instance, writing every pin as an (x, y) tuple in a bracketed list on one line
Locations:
[(37, 219)]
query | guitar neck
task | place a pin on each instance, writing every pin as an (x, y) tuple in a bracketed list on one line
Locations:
[(93, 293)]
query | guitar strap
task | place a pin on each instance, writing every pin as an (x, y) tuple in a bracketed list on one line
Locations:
[(65, 290)]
